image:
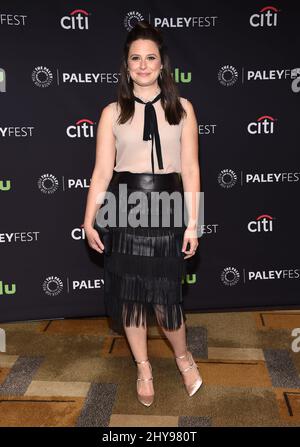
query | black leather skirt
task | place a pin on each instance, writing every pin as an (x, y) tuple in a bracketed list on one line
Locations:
[(143, 259)]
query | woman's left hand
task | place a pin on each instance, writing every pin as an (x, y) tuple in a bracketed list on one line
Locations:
[(190, 236)]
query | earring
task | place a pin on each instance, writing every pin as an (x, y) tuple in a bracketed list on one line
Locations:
[(160, 74), (128, 77)]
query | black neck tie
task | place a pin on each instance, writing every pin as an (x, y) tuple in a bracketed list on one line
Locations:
[(151, 129)]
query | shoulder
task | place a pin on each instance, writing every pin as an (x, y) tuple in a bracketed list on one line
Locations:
[(108, 112), (188, 107), (110, 107)]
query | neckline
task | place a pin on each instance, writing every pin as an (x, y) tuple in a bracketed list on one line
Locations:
[(158, 91), (157, 97)]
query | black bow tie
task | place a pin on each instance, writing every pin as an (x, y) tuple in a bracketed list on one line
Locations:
[(151, 128)]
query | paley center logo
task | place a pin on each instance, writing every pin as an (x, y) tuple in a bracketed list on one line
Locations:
[(230, 276), (48, 183), (263, 125), (83, 128), (170, 22), (266, 17), (131, 18), (54, 285), (227, 178), (76, 20), (227, 75), (263, 223), (42, 76)]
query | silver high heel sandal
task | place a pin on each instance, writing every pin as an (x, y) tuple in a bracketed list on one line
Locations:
[(191, 389), (145, 400)]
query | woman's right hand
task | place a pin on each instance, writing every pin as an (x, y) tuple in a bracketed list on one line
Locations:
[(93, 239)]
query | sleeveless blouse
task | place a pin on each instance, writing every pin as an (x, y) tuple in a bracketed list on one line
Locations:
[(133, 154)]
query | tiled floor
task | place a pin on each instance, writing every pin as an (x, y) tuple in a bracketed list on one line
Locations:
[(80, 373)]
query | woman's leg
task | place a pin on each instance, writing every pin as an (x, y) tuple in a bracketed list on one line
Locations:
[(137, 339), (177, 339)]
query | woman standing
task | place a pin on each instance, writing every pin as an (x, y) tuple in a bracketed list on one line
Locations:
[(151, 134)]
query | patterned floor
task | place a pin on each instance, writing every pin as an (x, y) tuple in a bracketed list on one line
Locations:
[(80, 373)]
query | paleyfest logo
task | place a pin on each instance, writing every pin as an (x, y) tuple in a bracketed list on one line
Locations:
[(228, 75), (131, 19), (48, 183), (42, 76)]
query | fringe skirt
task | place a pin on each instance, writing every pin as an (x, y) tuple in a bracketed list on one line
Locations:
[(143, 262)]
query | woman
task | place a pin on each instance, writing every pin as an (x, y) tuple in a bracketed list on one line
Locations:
[(143, 266)]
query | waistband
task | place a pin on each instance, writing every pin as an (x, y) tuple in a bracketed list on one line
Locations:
[(171, 181)]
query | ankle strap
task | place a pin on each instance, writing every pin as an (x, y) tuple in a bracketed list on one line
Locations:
[(183, 356), (143, 361)]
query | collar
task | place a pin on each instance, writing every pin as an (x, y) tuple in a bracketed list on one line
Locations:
[(151, 128)]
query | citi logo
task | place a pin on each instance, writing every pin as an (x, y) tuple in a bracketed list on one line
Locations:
[(78, 233), (263, 223), (7, 289), (83, 128), (267, 16), (77, 20), (263, 125), (179, 76)]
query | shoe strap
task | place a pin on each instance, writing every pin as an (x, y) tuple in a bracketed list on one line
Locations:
[(192, 363), (143, 361), (145, 380), (182, 356), (188, 368)]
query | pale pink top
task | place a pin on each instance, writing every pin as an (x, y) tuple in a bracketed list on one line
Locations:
[(134, 154)]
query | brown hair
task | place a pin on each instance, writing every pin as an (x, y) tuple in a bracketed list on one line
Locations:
[(171, 104)]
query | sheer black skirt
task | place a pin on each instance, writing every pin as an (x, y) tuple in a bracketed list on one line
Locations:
[(143, 261)]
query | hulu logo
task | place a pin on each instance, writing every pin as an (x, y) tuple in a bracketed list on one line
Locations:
[(5, 185), (2, 80), (179, 76), (189, 279), (6, 289)]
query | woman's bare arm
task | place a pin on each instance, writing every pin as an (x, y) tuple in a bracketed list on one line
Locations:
[(190, 172), (104, 164)]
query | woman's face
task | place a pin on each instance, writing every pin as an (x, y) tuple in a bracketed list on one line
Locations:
[(144, 62)]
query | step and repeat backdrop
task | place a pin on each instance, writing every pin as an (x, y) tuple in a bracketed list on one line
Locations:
[(237, 62)]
